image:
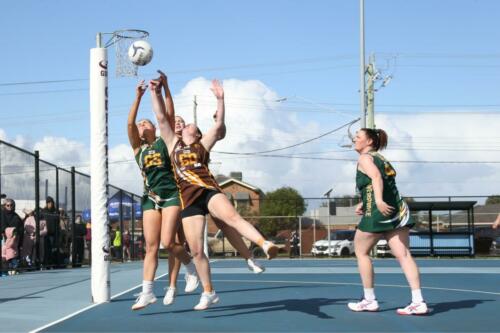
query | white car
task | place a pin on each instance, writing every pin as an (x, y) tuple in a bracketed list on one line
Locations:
[(341, 244), (382, 249)]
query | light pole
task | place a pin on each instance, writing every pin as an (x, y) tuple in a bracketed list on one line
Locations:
[(362, 67), (327, 195)]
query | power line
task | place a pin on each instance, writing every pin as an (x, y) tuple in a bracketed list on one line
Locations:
[(294, 145), (354, 160)]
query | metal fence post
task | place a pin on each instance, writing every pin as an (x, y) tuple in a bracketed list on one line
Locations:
[(73, 218), (37, 209), (121, 224), (132, 237)]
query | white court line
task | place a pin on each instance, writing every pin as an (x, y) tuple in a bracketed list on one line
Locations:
[(359, 284), (89, 307), (94, 305)]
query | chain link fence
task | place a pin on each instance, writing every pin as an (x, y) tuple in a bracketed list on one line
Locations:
[(444, 226), (53, 204)]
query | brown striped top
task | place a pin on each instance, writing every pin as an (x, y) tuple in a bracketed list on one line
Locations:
[(190, 164)]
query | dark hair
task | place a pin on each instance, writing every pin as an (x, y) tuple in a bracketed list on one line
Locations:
[(198, 131), (378, 136)]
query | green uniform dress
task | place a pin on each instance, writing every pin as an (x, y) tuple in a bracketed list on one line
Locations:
[(160, 188), (373, 220)]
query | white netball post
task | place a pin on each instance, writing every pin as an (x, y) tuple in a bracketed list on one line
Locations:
[(101, 257)]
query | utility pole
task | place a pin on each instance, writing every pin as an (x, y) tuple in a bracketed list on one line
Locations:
[(195, 105), (327, 195), (370, 93), (362, 62)]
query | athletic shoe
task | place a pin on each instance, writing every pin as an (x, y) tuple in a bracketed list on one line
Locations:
[(255, 266), (206, 300), (192, 282), (169, 296), (143, 300), (270, 249), (414, 309), (364, 305)]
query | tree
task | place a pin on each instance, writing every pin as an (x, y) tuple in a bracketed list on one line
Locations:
[(493, 199), (285, 202)]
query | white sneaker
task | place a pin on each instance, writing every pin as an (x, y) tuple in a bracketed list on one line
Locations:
[(364, 305), (414, 309), (169, 296), (206, 300), (255, 266), (192, 282), (143, 300), (270, 249)]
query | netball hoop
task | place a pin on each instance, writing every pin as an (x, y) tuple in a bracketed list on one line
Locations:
[(101, 256), (122, 39)]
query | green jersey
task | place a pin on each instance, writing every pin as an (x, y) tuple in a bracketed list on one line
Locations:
[(156, 168), (373, 220)]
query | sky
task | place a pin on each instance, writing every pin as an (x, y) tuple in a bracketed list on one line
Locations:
[(290, 70)]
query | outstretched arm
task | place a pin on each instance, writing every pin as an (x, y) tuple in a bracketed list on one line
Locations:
[(218, 131), (166, 132), (169, 102), (133, 133)]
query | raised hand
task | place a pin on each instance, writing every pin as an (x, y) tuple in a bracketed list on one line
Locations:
[(162, 78), (217, 89), (155, 86), (140, 88)]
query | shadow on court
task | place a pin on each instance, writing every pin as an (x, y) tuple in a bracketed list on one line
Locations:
[(309, 306), (223, 292), (436, 308), (3, 300)]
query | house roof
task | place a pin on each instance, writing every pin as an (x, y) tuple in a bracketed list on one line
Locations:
[(242, 183)]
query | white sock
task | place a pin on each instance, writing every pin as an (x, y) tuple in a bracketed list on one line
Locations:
[(147, 287), (369, 294), (416, 296), (190, 269)]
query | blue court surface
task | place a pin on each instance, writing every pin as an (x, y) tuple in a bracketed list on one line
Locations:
[(292, 295)]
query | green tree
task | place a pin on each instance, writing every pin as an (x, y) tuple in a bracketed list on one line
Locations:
[(493, 199), (285, 202)]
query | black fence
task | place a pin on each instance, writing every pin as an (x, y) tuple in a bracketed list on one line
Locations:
[(58, 234), (443, 226)]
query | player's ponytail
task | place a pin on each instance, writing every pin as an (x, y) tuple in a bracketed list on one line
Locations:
[(378, 136)]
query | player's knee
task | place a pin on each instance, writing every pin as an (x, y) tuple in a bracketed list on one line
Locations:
[(167, 244), (151, 248), (403, 254), (361, 253)]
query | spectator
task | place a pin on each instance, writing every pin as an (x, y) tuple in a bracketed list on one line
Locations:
[(64, 238), (51, 216), (29, 238), (12, 231), (78, 243), (9, 250), (88, 239), (117, 244), (126, 245), (294, 245)]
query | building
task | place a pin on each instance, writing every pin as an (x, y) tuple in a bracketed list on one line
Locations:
[(245, 197)]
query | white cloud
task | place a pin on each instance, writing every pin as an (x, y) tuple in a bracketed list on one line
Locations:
[(257, 122), (123, 170)]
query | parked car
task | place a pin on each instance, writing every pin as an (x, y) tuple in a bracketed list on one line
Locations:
[(382, 249), (218, 244), (341, 244)]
